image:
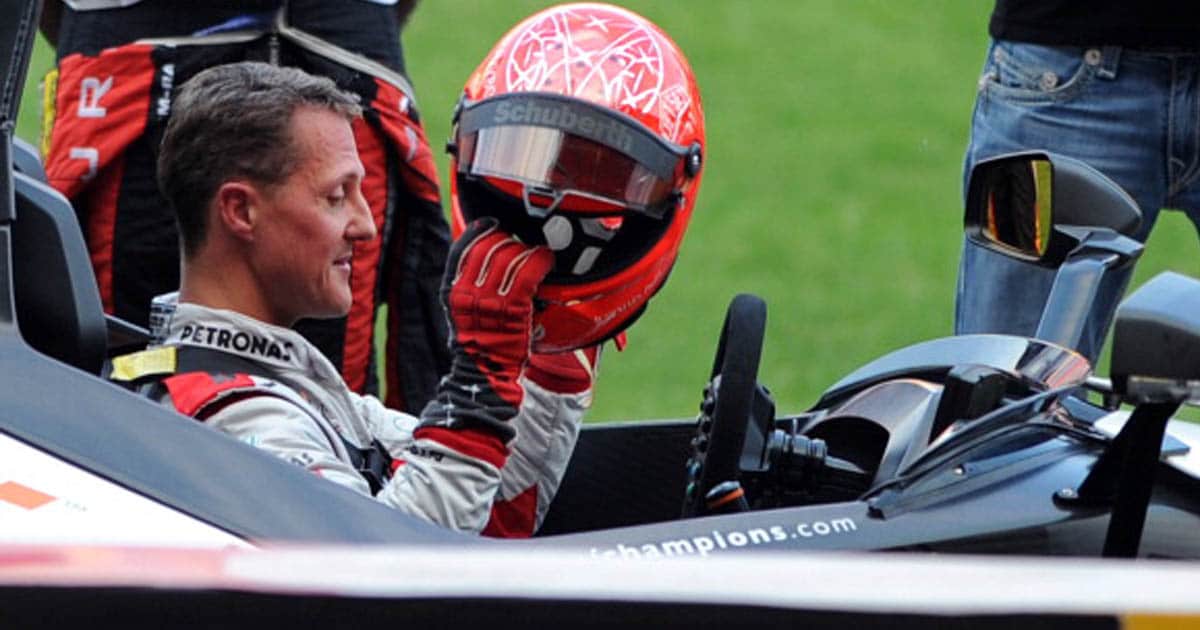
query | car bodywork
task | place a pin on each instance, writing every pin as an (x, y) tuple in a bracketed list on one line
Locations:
[(931, 472), (83, 462)]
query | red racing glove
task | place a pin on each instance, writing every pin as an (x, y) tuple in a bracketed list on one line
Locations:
[(488, 290)]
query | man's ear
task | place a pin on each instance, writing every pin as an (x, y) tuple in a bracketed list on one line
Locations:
[(238, 208)]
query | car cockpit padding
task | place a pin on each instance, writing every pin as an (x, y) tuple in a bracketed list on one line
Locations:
[(25, 160), (57, 301)]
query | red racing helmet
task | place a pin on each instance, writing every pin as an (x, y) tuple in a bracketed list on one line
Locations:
[(583, 130)]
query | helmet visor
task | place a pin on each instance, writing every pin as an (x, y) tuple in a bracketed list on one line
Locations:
[(569, 153)]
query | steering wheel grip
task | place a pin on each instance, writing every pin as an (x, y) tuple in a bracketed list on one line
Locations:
[(728, 400)]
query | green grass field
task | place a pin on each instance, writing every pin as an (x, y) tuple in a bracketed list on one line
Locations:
[(836, 130)]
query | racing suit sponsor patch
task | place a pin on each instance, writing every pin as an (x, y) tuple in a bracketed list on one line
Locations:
[(237, 341)]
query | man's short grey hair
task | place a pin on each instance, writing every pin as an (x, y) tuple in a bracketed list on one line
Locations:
[(233, 122)]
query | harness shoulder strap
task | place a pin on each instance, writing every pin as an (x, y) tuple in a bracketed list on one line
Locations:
[(202, 381)]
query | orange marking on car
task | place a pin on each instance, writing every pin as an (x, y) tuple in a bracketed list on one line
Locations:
[(21, 495)]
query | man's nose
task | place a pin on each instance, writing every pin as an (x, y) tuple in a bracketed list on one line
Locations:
[(362, 222)]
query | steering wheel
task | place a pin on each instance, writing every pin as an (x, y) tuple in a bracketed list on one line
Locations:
[(728, 399)]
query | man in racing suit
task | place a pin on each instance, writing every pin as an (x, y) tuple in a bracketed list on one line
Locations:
[(269, 213)]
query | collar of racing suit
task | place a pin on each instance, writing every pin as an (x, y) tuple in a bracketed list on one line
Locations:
[(284, 352), (228, 331)]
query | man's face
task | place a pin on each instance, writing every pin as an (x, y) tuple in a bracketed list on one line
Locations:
[(305, 237)]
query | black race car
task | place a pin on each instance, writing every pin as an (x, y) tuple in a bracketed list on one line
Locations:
[(974, 444)]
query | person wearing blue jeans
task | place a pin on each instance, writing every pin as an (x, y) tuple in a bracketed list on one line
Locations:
[(1106, 82)]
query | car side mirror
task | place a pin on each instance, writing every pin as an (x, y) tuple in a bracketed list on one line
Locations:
[(1156, 341), (1017, 204)]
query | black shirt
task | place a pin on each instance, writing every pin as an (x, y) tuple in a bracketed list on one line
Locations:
[(1137, 23)]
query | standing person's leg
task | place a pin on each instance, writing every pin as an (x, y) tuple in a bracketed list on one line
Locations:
[(1104, 105), (366, 28), (1184, 149), (402, 269), (99, 145)]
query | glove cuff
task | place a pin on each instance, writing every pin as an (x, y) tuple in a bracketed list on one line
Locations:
[(566, 372), (466, 398)]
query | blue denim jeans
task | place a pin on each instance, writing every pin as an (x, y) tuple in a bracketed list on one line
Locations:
[(1133, 114)]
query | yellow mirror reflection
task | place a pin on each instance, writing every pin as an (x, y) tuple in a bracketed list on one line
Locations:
[(1019, 212)]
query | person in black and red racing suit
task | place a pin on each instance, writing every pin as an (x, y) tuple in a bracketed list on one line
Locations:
[(108, 100)]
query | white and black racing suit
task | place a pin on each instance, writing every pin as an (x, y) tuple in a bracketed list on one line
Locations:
[(291, 401)]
